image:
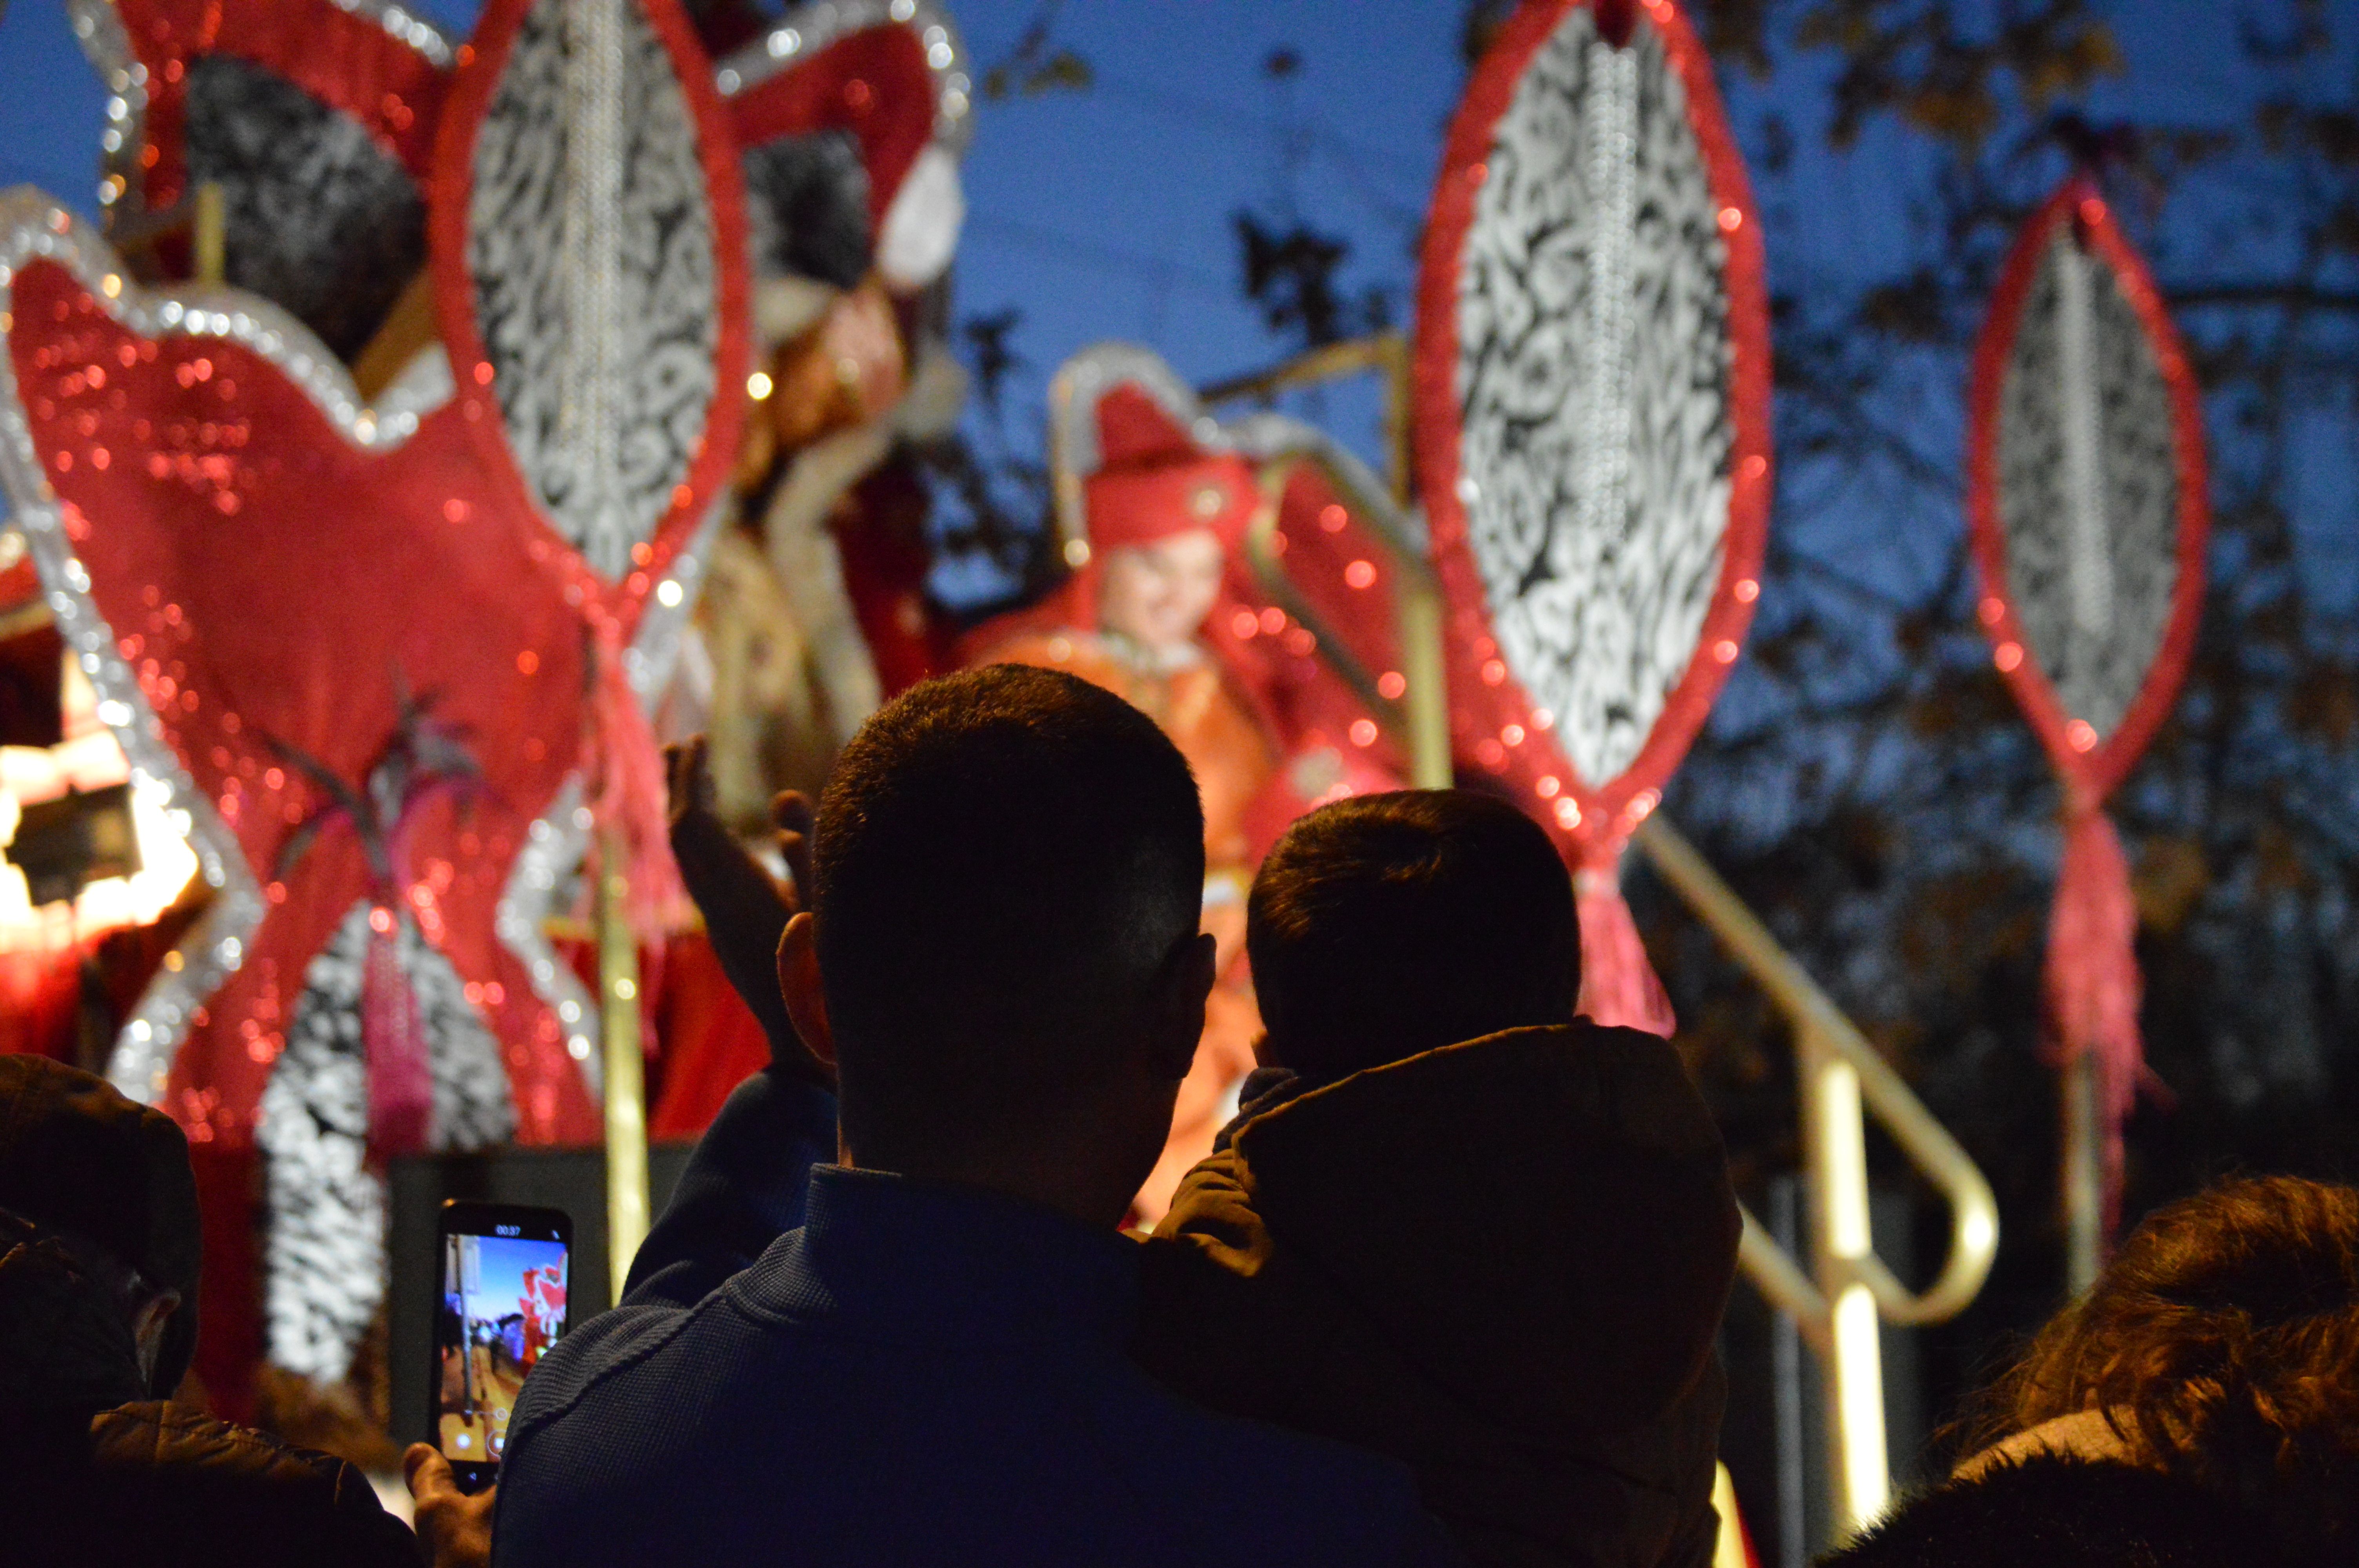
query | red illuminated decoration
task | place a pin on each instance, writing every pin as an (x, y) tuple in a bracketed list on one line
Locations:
[(2088, 505), (403, 685), (391, 87), (1598, 536)]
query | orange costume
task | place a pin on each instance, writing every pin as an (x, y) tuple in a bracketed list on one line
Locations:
[(1153, 484)]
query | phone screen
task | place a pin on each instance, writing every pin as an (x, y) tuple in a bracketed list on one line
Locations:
[(501, 1307)]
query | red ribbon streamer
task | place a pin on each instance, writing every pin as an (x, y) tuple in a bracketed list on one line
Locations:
[(1618, 986), (2091, 981)]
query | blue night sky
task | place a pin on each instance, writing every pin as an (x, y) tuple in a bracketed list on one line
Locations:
[(502, 1260), (1108, 213)]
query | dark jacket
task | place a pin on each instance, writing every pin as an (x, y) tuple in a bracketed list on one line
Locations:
[(85, 1480), (1503, 1263), (2054, 1510), (911, 1373)]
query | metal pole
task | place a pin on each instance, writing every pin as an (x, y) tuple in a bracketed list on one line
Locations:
[(1425, 696), (2088, 560), (626, 1107), (209, 239), (1425, 693), (1859, 1466), (2083, 1178)]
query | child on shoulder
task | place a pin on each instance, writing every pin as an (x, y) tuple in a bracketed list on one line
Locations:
[(1450, 1222)]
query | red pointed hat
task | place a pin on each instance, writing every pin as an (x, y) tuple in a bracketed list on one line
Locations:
[(1155, 482)]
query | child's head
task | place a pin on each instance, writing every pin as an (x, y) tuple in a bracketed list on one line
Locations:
[(1385, 925)]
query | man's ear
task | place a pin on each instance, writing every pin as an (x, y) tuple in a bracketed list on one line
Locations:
[(1177, 1021), (799, 983)]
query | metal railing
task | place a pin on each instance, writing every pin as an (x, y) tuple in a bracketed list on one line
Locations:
[(1837, 1300)]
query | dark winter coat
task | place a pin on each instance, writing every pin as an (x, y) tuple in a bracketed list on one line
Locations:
[(821, 1366), (94, 1469), (93, 1474), (1503, 1263), (2055, 1511)]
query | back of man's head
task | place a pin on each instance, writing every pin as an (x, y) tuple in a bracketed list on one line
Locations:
[(1385, 925), (1006, 860), (108, 1178)]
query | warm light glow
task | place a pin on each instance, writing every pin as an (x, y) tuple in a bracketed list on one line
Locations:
[(1859, 1400), (2082, 734), (1364, 732), (1993, 610), (758, 385), (166, 861), (1841, 1172), (1731, 220), (1360, 574), (89, 759), (2008, 656), (1392, 684)]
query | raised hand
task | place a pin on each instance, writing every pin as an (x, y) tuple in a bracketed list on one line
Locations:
[(744, 908)]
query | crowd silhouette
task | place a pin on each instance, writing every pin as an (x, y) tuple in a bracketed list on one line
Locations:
[(1445, 1291)]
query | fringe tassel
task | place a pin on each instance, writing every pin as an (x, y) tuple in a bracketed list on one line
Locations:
[(2093, 984), (1618, 986), (400, 1079)]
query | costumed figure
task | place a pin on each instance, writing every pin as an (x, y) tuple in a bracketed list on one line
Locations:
[(853, 118), (1152, 612)]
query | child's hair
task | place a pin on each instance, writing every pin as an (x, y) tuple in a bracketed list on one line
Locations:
[(1385, 925), (2222, 1345)]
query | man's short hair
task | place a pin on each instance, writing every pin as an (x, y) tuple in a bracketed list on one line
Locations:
[(1385, 925), (1006, 859)]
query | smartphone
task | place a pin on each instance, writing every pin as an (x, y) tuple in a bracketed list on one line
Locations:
[(499, 1305)]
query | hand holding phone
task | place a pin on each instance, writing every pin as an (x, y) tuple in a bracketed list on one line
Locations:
[(500, 1304), (453, 1527)]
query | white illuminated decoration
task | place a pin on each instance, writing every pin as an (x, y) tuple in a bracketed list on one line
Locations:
[(1594, 377), (2088, 486), (589, 247)]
